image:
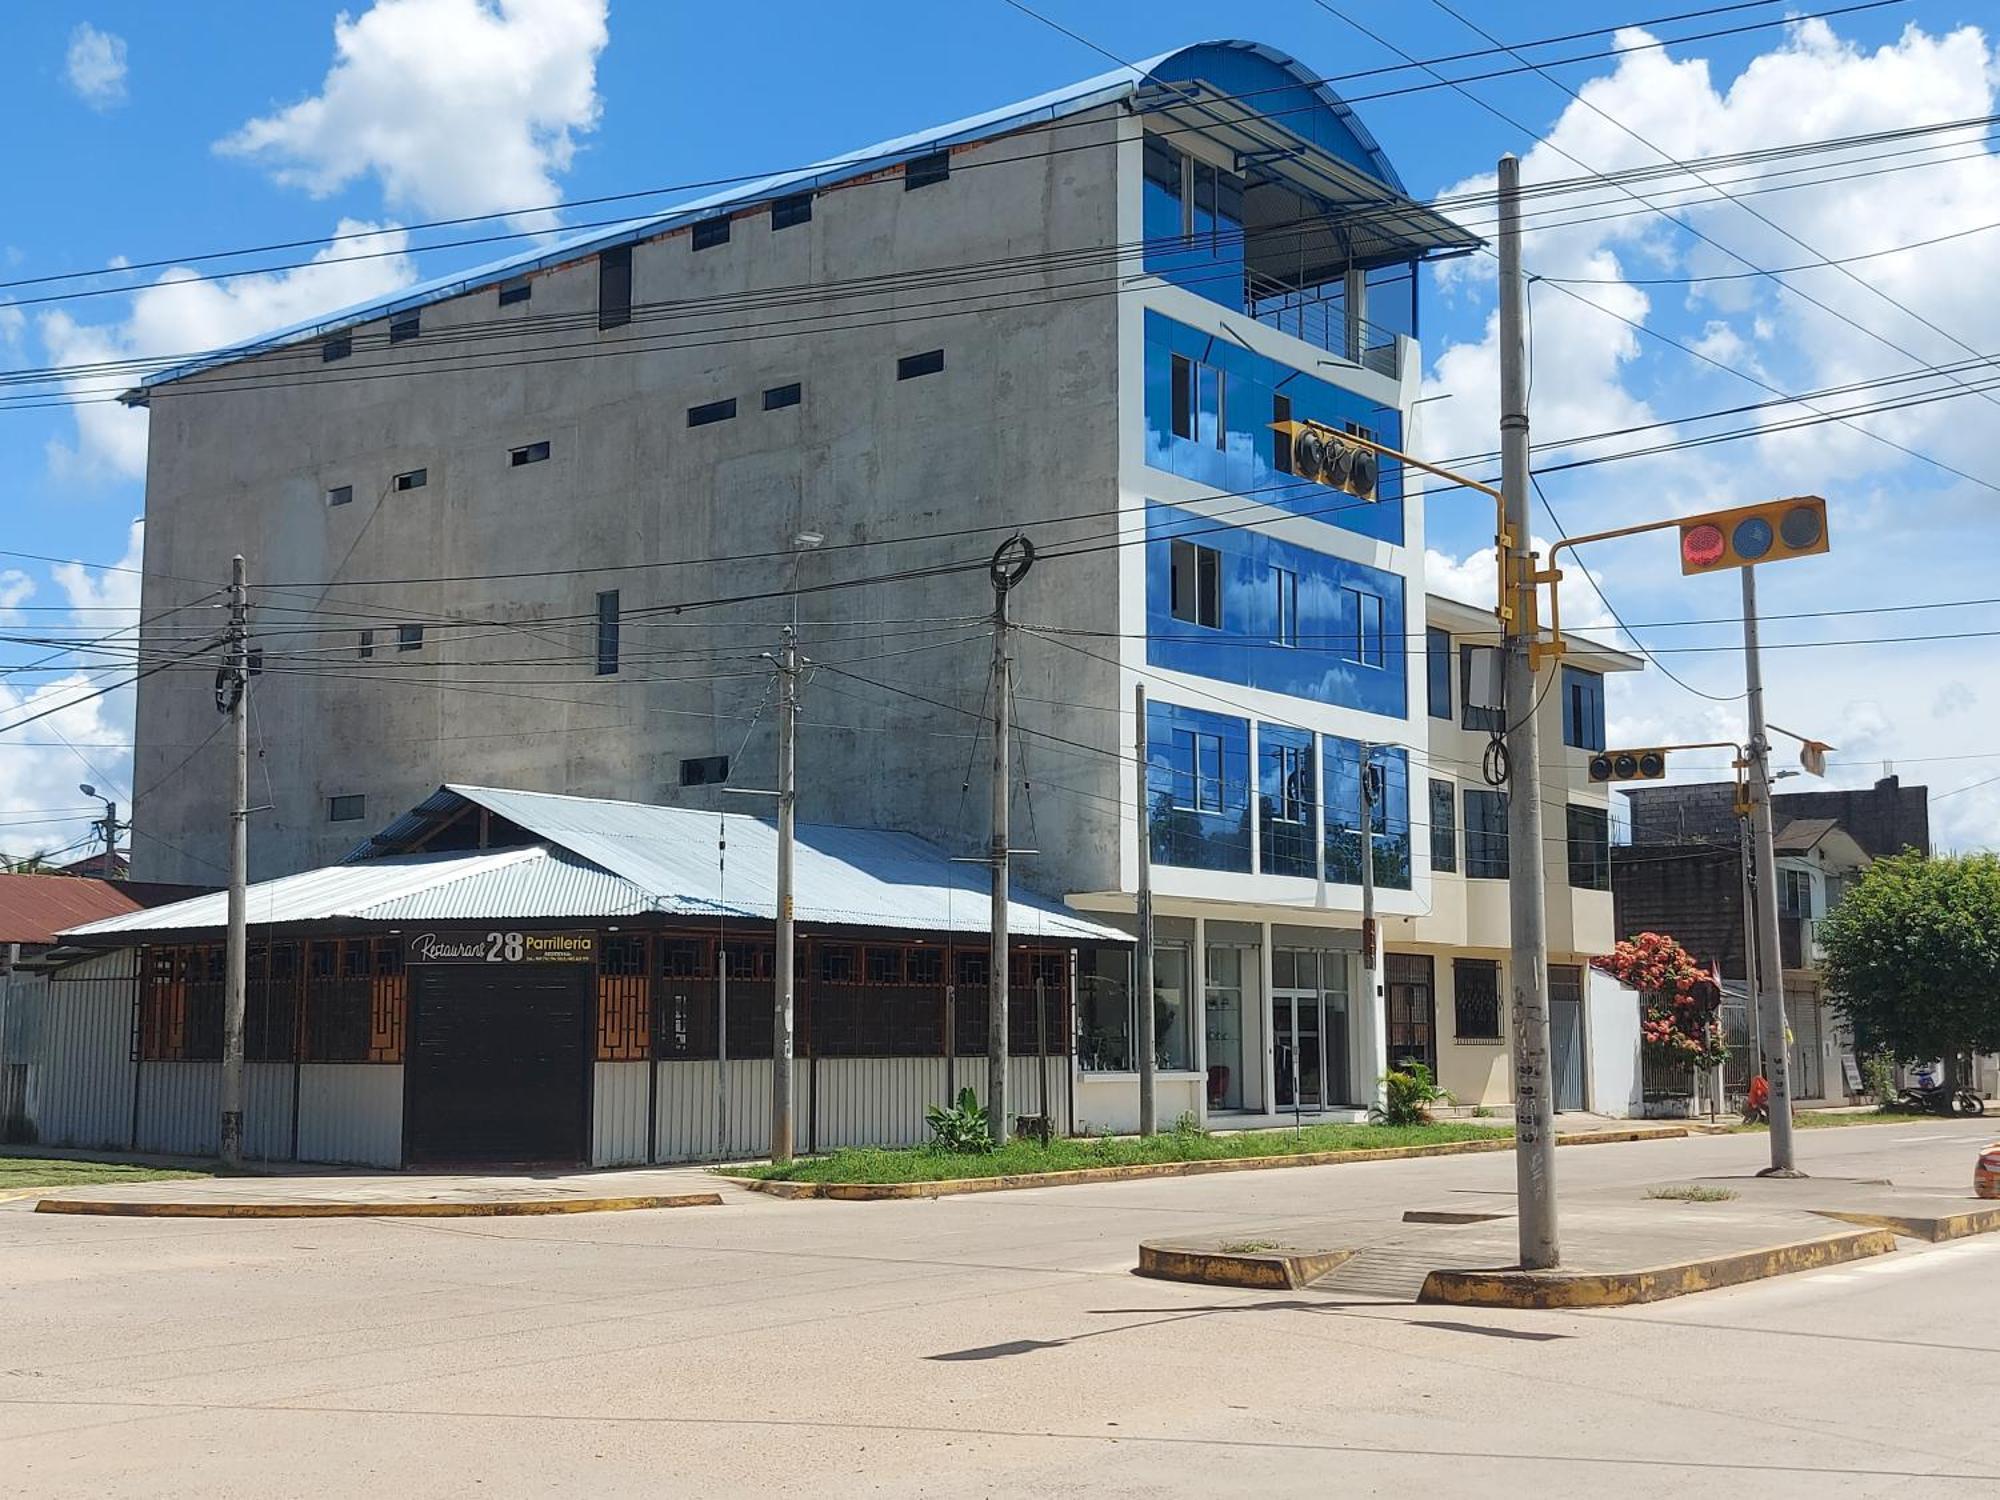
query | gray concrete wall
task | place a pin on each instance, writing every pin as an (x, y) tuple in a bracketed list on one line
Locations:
[(1020, 427)]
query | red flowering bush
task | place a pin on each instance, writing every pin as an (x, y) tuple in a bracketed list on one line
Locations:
[(1682, 1022)]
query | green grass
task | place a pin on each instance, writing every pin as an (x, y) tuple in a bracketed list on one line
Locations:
[(1693, 1193), (921, 1164), (48, 1172), (1247, 1247), (1815, 1119)]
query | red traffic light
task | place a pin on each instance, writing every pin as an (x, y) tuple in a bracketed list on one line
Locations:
[(1702, 546)]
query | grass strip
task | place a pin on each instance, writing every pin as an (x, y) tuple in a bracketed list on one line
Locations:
[(873, 1164), (50, 1172)]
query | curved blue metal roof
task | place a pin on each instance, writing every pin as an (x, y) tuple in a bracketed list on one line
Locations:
[(1277, 84)]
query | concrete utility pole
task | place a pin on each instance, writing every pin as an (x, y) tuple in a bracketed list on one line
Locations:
[(1142, 960), (1534, 1106), (782, 990), (1375, 1025), (1011, 562), (1771, 971), (232, 695)]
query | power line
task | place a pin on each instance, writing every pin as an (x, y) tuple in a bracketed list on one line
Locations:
[(837, 163)]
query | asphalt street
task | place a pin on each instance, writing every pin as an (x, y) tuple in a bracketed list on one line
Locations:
[(993, 1344)]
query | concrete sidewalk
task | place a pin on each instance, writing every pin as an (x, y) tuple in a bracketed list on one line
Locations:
[(1619, 1245), (331, 1193)]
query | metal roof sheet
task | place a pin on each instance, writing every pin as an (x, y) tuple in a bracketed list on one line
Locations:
[(34, 908), (1158, 74), (599, 858)]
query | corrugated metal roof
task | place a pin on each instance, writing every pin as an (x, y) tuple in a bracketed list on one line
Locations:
[(1180, 64), (34, 908), (599, 858)]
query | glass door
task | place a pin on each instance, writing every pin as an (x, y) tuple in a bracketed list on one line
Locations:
[(1298, 1030), (1222, 1015)]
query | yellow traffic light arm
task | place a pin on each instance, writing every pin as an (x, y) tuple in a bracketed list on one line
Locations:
[(1552, 576)]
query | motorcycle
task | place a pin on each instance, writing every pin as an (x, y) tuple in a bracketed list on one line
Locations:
[(1940, 1100)]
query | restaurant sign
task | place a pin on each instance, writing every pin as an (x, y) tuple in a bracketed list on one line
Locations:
[(503, 947)]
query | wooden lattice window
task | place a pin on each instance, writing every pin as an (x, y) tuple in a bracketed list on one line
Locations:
[(624, 1000)]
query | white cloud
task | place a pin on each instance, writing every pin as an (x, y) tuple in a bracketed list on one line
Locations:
[(96, 66), (1471, 580), (39, 772), (457, 106), (1902, 531), (180, 315)]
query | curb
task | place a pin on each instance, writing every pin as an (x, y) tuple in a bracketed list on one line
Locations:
[(1956, 1226), (501, 1209), (878, 1192), (1569, 1289), (1263, 1270)]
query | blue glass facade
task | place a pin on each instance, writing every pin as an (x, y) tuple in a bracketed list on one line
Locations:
[(1352, 646), (1583, 708), (1198, 785), (1287, 800), (1229, 445), (1343, 815)]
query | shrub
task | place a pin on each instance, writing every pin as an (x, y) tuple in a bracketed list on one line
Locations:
[(1188, 1126), (1408, 1094), (963, 1129), (1878, 1077)]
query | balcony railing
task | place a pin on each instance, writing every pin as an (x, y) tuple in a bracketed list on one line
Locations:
[(1320, 319)]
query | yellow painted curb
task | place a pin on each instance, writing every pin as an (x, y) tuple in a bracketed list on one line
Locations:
[(1933, 1228), (492, 1209), (1561, 1289), (876, 1192), (1258, 1270)]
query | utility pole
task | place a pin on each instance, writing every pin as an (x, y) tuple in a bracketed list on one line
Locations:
[(232, 693), (781, 994), (1011, 561), (1142, 960), (1374, 1029), (1534, 1106), (1771, 971)]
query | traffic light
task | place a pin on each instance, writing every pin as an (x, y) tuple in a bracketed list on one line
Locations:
[(1750, 534), (1628, 765), (1332, 458)]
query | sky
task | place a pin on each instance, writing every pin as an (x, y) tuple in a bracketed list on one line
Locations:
[(147, 136)]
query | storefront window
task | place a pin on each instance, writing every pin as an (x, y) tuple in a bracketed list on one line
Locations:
[(1222, 1015), (1104, 1011), (1173, 1011)]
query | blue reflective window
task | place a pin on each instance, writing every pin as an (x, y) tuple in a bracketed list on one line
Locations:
[(1485, 834), (1285, 601), (1198, 784), (1390, 815), (1287, 800), (1437, 671), (1210, 405), (1583, 708), (1233, 634)]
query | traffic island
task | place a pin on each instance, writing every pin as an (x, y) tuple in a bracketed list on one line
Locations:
[(1565, 1288), (1260, 1265)]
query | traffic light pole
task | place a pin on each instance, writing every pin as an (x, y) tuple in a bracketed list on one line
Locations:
[(1771, 971), (1534, 1105)]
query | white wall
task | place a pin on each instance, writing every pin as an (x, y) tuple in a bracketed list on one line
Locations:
[(351, 1113), (1611, 1045)]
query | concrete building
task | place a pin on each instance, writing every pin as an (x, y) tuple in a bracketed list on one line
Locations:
[(1682, 874), (535, 526)]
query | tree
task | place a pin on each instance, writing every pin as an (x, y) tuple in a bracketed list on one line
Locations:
[(1680, 1025), (1913, 956)]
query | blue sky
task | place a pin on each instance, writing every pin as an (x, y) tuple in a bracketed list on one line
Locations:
[(145, 132)]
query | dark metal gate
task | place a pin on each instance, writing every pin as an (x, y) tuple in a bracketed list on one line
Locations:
[(499, 1064), (1412, 1012)]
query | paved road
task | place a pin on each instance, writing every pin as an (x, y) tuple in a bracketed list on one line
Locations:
[(983, 1345)]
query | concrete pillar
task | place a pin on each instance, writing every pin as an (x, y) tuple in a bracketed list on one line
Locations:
[(1269, 1037), (1198, 1003)]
